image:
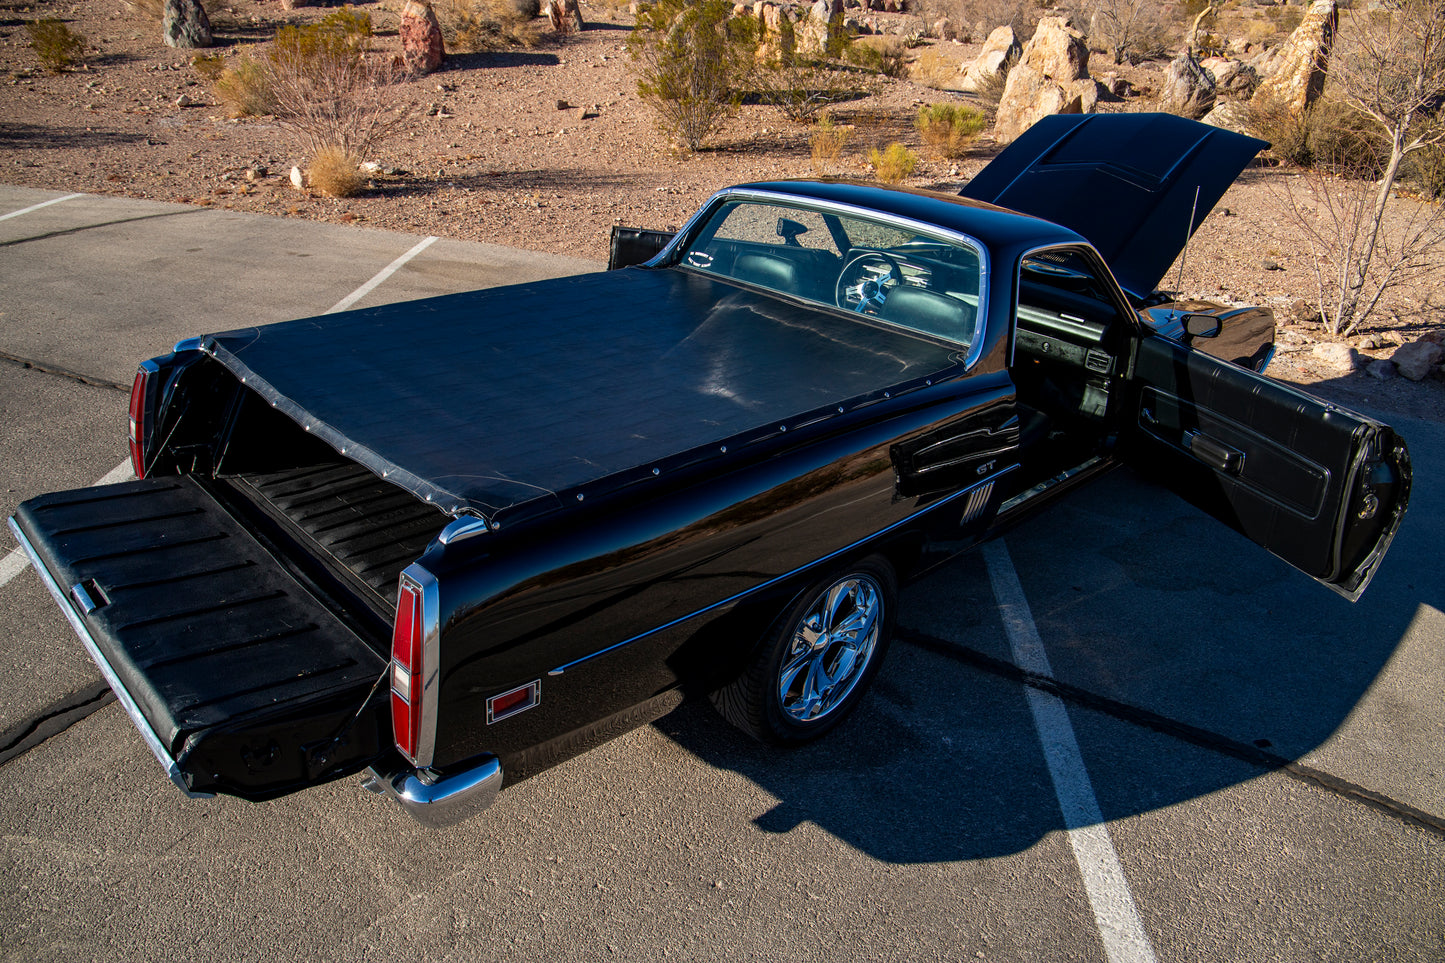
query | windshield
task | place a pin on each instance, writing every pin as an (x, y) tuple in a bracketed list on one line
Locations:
[(928, 282)]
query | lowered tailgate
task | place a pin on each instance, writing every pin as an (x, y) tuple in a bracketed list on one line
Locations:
[(242, 673)]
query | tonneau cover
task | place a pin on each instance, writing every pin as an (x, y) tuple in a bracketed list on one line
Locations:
[(481, 401)]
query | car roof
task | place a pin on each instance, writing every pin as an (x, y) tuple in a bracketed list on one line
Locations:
[(998, 228)]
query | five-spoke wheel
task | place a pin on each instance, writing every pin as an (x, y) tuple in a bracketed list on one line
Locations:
[(818, 660)]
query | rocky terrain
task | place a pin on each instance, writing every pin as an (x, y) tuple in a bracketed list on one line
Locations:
[(546, 147)]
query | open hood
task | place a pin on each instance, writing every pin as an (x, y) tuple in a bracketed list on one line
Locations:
[(1135, 185)]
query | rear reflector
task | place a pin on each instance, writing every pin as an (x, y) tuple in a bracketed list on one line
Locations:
[(510, 703), (407, 646), (137, 421)]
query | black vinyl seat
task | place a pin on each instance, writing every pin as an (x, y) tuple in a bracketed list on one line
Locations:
[(930, 312), (777, 273)]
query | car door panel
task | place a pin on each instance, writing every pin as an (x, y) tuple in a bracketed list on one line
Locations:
[(1318, 485)]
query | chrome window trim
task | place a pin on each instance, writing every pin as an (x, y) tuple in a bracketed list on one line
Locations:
[(152, 740), (425, 584), (975, 350), (935, 506)]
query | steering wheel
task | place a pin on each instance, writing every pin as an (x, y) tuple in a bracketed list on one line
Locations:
[(865, 281)]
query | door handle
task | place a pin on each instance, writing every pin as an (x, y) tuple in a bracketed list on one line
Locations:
[(1215, 454)]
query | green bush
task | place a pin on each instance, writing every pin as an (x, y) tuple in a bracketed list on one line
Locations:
[(950, 128), (692, 60), (894, 164), (55, 44)]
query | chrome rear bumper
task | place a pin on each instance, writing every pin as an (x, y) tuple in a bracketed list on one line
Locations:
[(438, 802)]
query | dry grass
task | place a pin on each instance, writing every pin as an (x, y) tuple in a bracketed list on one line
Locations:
[(335, 172), (473, 26), (56, 46), (932, 69), (827, 141), (244, 87), (894, 164)]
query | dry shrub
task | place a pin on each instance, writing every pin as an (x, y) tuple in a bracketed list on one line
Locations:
[(245, 87), (327, 93), (894, 164), (57, 46), (882, 55), (1022, 15), (1331, 136), (828, 140), (990, 91), (950, 129), (1426, 170), (932, 69), (1131, 30), (472, 26), (335, 172)]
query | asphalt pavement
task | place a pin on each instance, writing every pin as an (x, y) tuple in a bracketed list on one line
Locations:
[(1121, 732)]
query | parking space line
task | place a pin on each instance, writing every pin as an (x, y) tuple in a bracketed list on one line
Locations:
[(381, 276), (1115, 915), (15, 562), (36, 207)]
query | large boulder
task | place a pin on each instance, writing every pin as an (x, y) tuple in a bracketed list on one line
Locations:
[(1232, 78), (1051, 77), (421, 37), (184, 24), (812, 29), (1188, 88), (1001, 46), (1229, 115), (1417, 359), (1298, 75), (564, 15)]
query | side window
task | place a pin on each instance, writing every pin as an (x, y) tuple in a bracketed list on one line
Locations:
[(781, 226)]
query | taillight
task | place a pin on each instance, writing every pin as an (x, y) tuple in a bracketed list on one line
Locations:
[(137, 420), (408, 646)]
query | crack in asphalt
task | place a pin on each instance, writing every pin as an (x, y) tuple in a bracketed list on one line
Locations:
[(53, 720), (59, 372), (1183, 731)]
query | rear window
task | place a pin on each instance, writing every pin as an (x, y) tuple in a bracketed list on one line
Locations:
[(929, 283)]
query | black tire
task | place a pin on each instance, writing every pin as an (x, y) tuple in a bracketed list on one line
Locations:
[(818, 658)]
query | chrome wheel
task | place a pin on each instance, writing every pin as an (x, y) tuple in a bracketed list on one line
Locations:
[(830, 648)]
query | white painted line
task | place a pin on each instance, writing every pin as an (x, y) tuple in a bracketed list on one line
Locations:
[(1115, 915), (117, 474), (36, 207), (12, 565), (15, 563), (381, 276)]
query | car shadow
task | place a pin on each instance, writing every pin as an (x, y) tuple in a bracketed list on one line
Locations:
[(1189, 659)]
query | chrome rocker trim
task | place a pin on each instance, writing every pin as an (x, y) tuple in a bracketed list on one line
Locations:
[(152, 740), (439, 802)]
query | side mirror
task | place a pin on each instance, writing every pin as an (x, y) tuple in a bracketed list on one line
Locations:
[(789, 230), (1201, 325)]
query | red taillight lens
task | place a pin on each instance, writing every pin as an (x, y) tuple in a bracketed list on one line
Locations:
[(137, 422), (407, 640)]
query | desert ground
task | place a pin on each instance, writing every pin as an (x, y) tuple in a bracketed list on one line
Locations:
[(546, 147)]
